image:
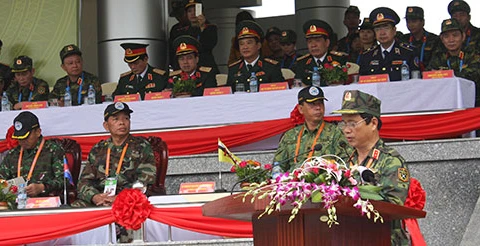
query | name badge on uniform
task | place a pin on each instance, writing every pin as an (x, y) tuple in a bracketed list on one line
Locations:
[(374, 62), (397, 62), (110, 186)]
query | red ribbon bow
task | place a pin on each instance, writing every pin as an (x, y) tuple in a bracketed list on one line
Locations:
[(131, 208)]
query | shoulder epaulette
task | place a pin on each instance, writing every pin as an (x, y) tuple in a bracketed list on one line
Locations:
[(176, 72), (125, 74), (234, 63), (271, 61), (406, 46), (205, 69), (303, 57), (159, 71), (338, 53), (370, 49)]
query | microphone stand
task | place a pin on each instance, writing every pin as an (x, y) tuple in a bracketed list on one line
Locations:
[(221, 189), (64, 205)]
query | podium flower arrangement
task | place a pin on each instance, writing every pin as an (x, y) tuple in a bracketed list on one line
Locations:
[(319, 180), (334, 73), (252, 169), (183, 84), (8, 195)]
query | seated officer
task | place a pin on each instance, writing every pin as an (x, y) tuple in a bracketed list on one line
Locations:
[(142, 78), (38, 161), (361, 125), (187, 57), (390, 54), (463, 61), (460, 11), (122, 159), (250, 38), (318, 34), (288, 40), (77, 80), (26, 88), (295, 144)]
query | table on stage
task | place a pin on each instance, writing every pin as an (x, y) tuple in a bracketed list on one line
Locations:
[(397, 97)]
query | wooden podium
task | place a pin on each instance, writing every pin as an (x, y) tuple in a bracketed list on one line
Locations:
[(307, 229)]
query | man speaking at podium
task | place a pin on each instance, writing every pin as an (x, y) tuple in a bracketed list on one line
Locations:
[(313, 138), (361, 125)]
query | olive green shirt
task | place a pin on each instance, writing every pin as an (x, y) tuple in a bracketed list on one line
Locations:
[(86, 79)]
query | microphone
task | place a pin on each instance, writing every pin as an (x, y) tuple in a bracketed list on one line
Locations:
[(317, 147), (343, 145), (367, 175)]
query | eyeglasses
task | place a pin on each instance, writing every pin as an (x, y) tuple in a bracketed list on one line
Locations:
[(342, 124)]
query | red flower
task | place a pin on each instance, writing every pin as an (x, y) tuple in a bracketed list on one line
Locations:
[(170, 80), (268, 166), (193, 77), (348, 173), (345, 69), (315, 170), (184, 76), (14, 189), (327, 66), (243, 164), (131, 208), (233, 169)]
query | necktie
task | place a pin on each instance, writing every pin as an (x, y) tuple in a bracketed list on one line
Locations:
[(318, 62), (139, 78), (249, 67), (385, 54)]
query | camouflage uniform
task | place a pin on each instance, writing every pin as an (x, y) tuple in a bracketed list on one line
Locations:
[(6, 76), (38, 89), (306, 63), (155, 80), (330, 139), (138, 164), (48, 170), (205, 79), (266, 70), (88, 79), (431, 43)]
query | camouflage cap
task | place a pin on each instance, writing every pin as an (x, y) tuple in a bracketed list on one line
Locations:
[(458, 5), (450, 24), (24, 123), (382, 15), (357, 102), (116, 108), (366, 24), (310, 94), (288, 37), (22, 64), (413, 13), (352, 9), (70, 49)]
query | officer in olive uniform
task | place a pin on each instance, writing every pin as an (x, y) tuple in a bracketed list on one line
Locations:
[(390, 54), (351, 20), (460, 10), (250, 38), (463, 61), (5, 74), (361, 125), (142, 78), (187, 57), (317, 33), (26, 88), (47, 175), (288, 40), (77, 80), (424, 43), (272, 37)]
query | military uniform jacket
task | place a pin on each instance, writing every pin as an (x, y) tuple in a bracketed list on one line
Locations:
[(393, 175), (88, 79), (472, 39), (266, 70), (345, 43), (372, 61), (470, 67), (6, 75), (329, 138), (155, 80), (138, 164), (306, 63), (205, 78), (36, 91), (429, 43), (289, 62), (48, 170)]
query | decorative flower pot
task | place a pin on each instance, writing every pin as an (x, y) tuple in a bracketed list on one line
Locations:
[(3, 205)]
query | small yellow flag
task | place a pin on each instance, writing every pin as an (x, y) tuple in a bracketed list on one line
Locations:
[(224, 155)]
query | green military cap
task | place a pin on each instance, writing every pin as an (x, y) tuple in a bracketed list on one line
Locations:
[(133, 51), (185, 44), (357, 102), (116, 108), (70, 49), (288, 37), (382, 15), (24, 123), (177, 7), (366, 24), (249, 29), (310, 94), (22, 64), (413, 13), (450, 24), (192, 3), (352, 9), (273, 30), (317, 28), (458, 5)]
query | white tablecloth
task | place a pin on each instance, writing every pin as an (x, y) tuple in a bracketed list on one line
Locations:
[(397, 97)]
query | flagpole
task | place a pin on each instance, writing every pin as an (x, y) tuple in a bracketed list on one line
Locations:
[(64, 191)]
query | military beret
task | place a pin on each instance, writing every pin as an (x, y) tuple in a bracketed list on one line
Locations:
[(383, 15), (458, 5), (358, 102), (352, 9), (366, 24), (414, 12), (185, 44), (133, 51), (273, 30), (116, 108), (69, 50), (288, 37), (24, 123), (22, 64), (317, 28), (310, 94), (449, 25), (249, 29)]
